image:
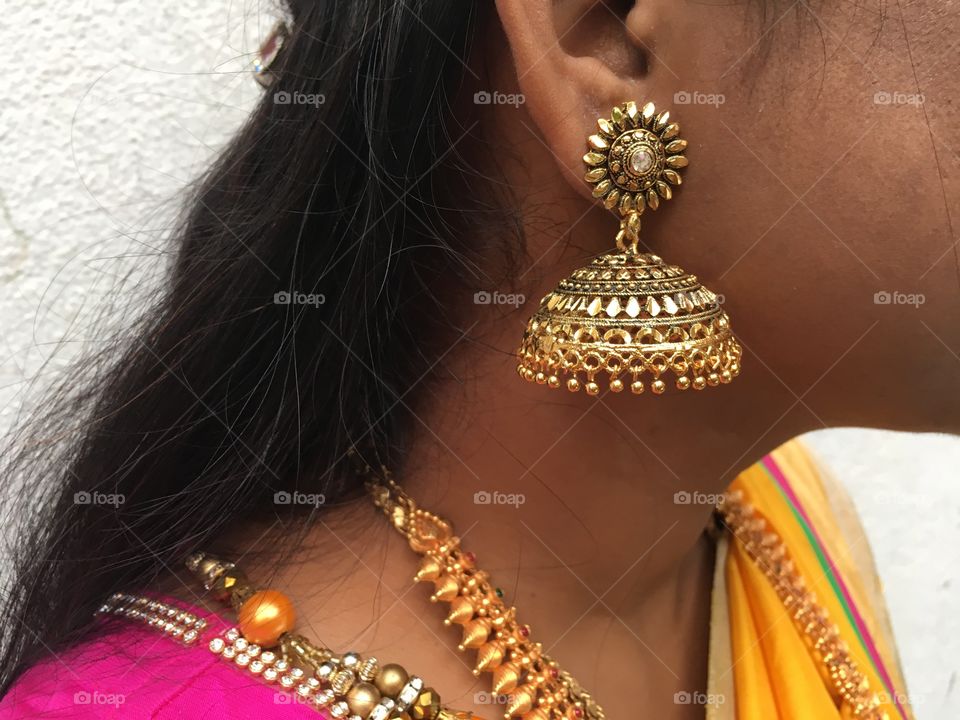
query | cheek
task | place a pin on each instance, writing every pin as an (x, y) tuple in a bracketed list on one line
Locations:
[(880, 205), (818, 191), (855, 125), (855, 286)]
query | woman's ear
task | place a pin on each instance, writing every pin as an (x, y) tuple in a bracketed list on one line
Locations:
[(575, 59)]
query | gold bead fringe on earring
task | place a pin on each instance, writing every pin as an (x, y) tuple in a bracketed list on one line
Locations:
[(629, 315)]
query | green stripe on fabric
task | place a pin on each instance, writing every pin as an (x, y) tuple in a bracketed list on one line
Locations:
[(828, 571)]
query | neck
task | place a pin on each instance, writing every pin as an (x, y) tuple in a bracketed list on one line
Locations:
[(590, 512)]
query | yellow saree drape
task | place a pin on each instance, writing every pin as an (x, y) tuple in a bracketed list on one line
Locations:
[(762, 666)]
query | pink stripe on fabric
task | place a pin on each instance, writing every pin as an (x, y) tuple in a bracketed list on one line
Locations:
[(776, 471)]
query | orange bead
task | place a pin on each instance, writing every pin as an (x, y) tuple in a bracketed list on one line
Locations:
[(265, 616)]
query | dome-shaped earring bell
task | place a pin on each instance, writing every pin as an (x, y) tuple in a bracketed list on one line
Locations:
[(628, 317)]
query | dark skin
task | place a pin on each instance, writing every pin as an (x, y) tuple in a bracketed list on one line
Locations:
[(805, 197)]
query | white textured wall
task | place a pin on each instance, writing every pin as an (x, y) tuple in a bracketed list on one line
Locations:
[(109, 106)]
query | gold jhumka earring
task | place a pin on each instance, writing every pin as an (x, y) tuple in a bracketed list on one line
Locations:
[(628, 315)]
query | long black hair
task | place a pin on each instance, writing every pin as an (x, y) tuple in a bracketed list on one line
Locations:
[(300, 309)]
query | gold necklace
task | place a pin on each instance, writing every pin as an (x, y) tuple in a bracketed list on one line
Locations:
[(532, 684)]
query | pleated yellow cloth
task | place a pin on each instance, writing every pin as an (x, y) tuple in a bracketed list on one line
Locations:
[(762, 666)]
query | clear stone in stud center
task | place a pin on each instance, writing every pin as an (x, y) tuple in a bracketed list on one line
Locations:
[(641, 161)]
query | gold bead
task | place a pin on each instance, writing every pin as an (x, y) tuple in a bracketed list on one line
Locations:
[(391, 679), (426, 706), (540, 713), (209, 567), (683, 383), (362, 698), (265, 616), (461, 611), (616, 385), (636, 387), (573, 385), (445, 588), (521, 701), (489, 656), (553, 382), (699, 383), (368, 669), (505, 678), (429, 570), (541, 378), (475, 633), (592, 388), (342, 681), (227, 583), (713, 379), (658, 386)]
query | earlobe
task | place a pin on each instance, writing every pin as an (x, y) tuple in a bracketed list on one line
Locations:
[(574, 59)]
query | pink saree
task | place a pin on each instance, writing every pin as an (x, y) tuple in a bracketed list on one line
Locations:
[(138, 672)]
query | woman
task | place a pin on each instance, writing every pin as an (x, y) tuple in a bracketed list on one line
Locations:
[(350, 285)]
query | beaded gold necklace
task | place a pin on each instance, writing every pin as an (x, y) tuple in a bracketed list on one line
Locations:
[(345, 686), (534, 685), (529, 684)]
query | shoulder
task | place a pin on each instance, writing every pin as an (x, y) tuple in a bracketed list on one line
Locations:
[(138, 673)]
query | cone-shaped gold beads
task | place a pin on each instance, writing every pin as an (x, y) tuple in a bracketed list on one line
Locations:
[(537, 714), (475, 633), (461, 611), (521, 701), (503, 644), (445, 589), (489, 656), (429, 570), (505, 678)]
